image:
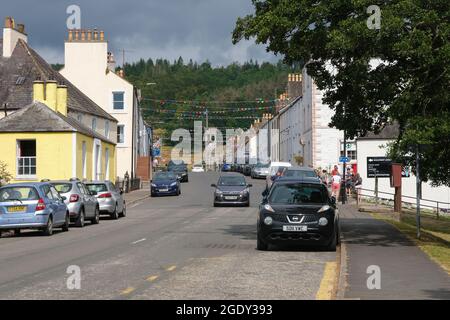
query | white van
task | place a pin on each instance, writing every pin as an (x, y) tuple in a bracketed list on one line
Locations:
[(274, 169)]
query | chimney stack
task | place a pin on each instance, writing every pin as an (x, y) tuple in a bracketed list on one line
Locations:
[(51, 94), (11, 35), (294, 87)]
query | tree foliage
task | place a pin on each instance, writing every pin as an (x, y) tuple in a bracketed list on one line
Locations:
[(194, 81), (371, 77)]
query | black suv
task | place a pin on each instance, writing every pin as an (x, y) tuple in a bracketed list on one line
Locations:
[(298, 211), (181, 171)]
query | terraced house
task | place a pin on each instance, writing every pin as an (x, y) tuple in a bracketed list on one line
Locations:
[(49, 129)]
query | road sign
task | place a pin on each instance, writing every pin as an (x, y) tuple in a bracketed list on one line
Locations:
[(344, 159), (378, 167), (156, 152)]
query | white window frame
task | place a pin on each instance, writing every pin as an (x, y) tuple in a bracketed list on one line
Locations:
[(123, 133), (94, 124), (124, 100), (25, 176), (107, 129)]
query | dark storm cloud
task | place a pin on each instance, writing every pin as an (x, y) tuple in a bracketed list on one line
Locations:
[(197, 29)]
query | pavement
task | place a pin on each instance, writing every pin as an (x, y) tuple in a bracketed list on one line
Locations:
[(165, 248), (406, 272), (136, 196)]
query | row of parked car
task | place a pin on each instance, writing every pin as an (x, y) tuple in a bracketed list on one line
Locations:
[(168, 182), (48, 204)]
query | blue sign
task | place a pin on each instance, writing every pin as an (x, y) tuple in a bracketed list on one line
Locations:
[(344, 159), (156, 152)]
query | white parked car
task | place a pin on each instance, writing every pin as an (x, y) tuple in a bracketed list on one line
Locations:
[(275, 170), (198, 168)]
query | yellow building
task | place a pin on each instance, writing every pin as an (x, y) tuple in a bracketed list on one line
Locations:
[(40, 141)]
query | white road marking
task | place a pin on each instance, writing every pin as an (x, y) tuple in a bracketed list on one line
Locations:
[(138, 241)]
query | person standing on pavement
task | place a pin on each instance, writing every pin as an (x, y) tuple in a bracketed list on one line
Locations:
[(358, 187), (336, 184)]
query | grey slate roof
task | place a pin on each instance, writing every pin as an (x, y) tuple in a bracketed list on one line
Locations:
[(25, 62), (38, 117), (389, 132)]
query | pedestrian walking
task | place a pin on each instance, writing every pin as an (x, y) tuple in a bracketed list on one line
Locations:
[(336, 185)]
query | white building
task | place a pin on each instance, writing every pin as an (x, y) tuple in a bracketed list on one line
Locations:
[(375, 146), (90, 66)]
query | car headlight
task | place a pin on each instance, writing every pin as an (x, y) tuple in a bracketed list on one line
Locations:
[(173, 184), (245, 191), (219, 192), (154, 185), (267, 207), (324, 208), (268, 221), (323, 221)]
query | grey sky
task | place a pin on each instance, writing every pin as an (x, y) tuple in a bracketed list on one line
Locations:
[(197, 29)]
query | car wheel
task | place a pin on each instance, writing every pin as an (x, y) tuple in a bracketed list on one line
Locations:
[(115, 214), (96, 219), (17, 232), (66, 224), (80, 219), (215, 205), (247, 204), (261, 245), (333, 242), (123, 214), (48, 230)]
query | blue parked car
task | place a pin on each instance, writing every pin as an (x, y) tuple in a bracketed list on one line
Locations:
[(165, 183), (32, 206), (226, 167)]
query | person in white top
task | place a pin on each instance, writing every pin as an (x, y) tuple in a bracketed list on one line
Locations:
[(336, 185)]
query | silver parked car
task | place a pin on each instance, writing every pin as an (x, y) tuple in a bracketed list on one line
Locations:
[(110, 198), (80, 201)]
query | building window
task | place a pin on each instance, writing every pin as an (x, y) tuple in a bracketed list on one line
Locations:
[(80, 118), (120, 133), (94, 124), (118, 100), (26, 158), (107, 129)]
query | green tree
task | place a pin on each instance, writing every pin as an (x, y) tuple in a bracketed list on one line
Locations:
[(371, 76), (5, 176)]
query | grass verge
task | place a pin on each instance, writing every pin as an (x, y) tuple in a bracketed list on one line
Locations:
[(435, 236)]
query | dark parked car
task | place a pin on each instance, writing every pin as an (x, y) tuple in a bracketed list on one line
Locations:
[(165, 183), (226, 167), (232, 189), (298, 211), (181, 171), (247, 169)]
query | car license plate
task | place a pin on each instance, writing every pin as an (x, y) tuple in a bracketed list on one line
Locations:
[(231, 198), (295, 228), (163, 190), (16, 209)]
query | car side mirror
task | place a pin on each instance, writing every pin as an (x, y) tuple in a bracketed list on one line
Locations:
[(333, 200), (265, 193), (214, 185)]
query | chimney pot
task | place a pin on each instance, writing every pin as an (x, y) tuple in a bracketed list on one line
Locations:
[(83, 35), (70, 38), (95, 34), (102, 35), (89, 35), (76, 34), (9, 22)]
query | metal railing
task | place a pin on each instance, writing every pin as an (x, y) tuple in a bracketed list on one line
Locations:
[(439, 206)]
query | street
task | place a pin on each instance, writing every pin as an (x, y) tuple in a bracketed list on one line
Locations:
[(166, 248)]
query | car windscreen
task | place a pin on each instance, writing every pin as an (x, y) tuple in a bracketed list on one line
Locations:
[(232, 181), (97, 187), (276, 170), (298, 193), (179, 168), (300, 174), (18, 193), (62, 187), (159, 176)]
